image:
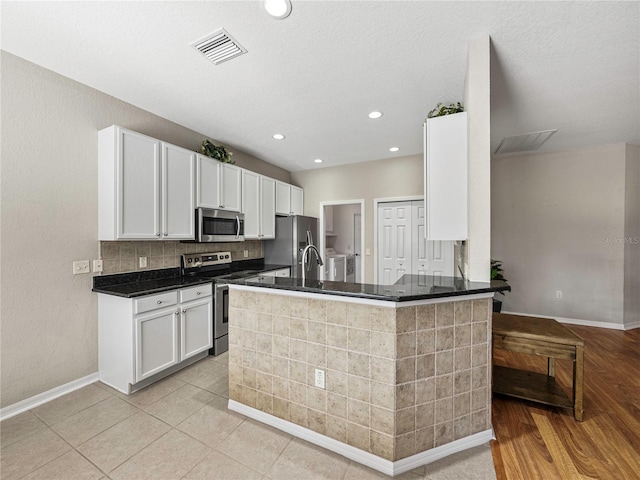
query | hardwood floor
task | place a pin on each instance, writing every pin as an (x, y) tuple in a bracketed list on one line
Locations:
[(534, 441)]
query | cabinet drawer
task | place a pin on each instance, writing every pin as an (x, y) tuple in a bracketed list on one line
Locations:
[(151, 302), (194, 293)]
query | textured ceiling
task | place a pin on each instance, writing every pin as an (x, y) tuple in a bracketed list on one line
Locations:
[(315, 76)]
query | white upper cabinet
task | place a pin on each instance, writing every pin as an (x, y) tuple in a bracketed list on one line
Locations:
[(267, 208), (218, 184), (289, 199), (297, 202), (445, 157), (258, 205), (145, 188), (231, 186), (178, 207)]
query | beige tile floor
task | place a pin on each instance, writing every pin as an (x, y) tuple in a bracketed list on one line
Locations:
[(180, 428)]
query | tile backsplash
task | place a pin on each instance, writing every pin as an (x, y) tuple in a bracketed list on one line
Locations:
[(122, 257)]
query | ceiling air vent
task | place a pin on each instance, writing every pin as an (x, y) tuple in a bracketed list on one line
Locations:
[(219, 46), (524, 143)]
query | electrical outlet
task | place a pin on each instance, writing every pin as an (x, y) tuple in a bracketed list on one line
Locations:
[(319, 378), (142, 261), (367, 251), (246, 253), (81, 266), (559, 294), (97, 266)]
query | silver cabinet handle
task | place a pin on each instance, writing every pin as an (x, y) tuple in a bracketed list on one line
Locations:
[(158, 234), (159, 302), (177, 312), (166, 234), (198, 293), (184, 311)]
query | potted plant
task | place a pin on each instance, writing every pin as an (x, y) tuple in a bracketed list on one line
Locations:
[(442, 109), (497, 274), (220, 153)]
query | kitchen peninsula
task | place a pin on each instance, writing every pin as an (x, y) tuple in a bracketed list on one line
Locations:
[(391, 376)]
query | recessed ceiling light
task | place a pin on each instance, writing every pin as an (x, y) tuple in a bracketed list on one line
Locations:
[(394, 149), (278, 9), (318, 160), (375, 114), (278, 136)]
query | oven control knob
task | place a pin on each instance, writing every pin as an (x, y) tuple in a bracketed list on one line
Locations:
[(196, 260), (189, 260)]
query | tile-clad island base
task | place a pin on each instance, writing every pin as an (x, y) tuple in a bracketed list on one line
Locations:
[(401, 378)]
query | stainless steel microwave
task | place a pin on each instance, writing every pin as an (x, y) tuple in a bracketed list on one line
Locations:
[(219, 226)]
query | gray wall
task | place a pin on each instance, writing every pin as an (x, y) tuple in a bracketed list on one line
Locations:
[(48, 220), (632, 237), (558, 223)]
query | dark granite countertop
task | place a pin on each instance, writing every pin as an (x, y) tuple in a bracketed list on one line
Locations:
[(408, 288), (137, 284)]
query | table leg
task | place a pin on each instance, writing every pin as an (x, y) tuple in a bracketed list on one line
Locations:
[(578, 381), (551, 367)]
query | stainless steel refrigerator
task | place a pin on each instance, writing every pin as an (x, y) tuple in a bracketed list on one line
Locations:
[(293, 234)]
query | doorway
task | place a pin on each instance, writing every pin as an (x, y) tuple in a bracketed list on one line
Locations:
[(341, 240)]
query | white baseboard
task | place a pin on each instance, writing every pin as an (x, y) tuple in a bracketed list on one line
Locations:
[(631, 326), (365, 458), (47, 396), (577, 321)]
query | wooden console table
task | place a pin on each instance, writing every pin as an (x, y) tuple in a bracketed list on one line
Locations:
[(544, 337)]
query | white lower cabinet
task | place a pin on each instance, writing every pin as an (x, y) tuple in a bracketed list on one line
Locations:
[(141, 340), (156, 342)]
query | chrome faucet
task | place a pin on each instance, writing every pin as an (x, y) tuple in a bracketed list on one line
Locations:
[(304, 258)]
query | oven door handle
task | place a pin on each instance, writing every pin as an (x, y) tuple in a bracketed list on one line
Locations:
[(237, 226)]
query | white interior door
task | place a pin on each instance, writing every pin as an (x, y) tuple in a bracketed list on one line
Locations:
[(394, 241), (402, 248), (430, 257)]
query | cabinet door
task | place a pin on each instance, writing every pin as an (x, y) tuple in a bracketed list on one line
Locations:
[(283, 198), (267, 208), (251, 204), (207, 182), (230, 187), (445, 196), (138, 208), (156, 342), (297, 203), (178, 206), (196, 328)]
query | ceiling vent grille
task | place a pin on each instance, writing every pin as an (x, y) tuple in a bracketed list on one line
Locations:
[(524, 143), (219, 46)]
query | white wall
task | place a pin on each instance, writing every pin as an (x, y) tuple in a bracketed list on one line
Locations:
[(343, 227), (48, 220), (557, 224), (477, 104)]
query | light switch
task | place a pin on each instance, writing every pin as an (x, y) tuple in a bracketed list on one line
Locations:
[(81, 266)]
